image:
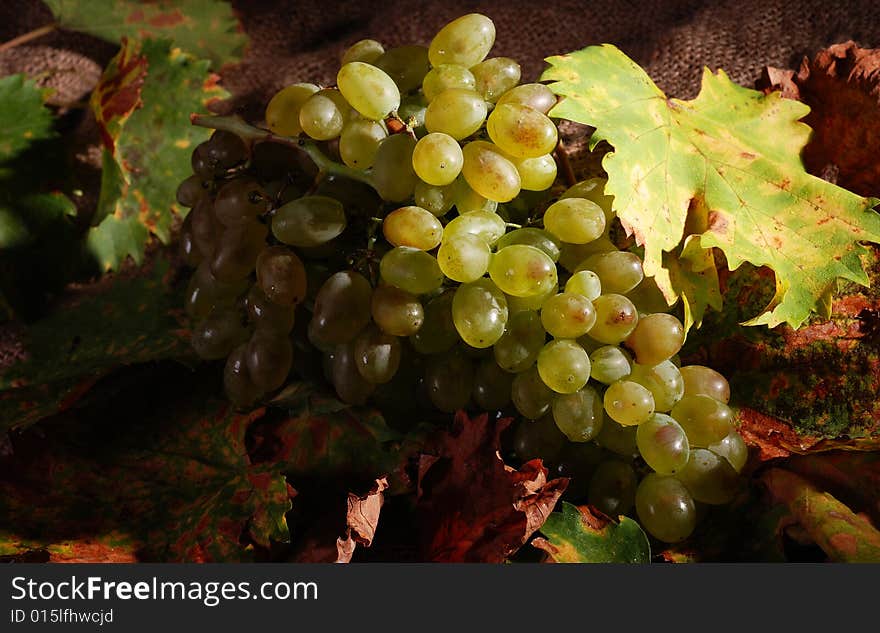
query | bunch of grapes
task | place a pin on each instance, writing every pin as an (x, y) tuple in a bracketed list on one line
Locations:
[(456, 279)]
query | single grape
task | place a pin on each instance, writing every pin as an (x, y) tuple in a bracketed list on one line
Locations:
[(495, 76), (618, 438), (613, 488), (705, 381), (445, 77), (350, 386), (663, 444), (457, 112), (575, 220), (360, 141), (593, 189), (564, 366), (522, 341), (522, 270), (709, 477), (665, 508), (536, 174), (438, 333), (536, 96), (491, 386), (411, 269), (321, 118), (465, 41), (616, 318), (264, 314), (187, 247), (282, 113), (571, 256), (437, 159), (376, 355), (664, 382), (309, 221), (237, 382), (406, 65), (396, 311), (366, 51), (464, 257), (205, 291), (609, 364), (530, 395), (704, 419), (437, 200), (568, 315), (579, 414), (281, 275), (733, 448), (342, 307), (190, 191), (522, 131), (466, 200), (239, 201), (219, 333), (412, 226), (486, 225), (530, 236), (619, 271), (538, 438), (269, 357), (237, 249), (449, 378), (489, 173), (479, 312), (393, 172), (586, 283), (368, 89), (628, 403), (533, 303)]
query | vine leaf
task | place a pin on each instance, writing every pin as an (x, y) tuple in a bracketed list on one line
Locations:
[(737, 152), (207, 28), (142, 105), (576, 535), (23, 117)]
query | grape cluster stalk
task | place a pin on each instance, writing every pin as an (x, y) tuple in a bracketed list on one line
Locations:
[(397, 236)]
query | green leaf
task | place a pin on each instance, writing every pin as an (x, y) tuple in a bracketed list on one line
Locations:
[(734, 151), (576, 535), (124, 319), (142, 105), (23, 117), (207, 28)]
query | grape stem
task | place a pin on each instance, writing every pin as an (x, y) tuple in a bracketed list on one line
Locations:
[(250, 133)]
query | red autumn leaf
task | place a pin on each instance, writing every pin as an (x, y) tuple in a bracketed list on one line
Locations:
[(471, 506)]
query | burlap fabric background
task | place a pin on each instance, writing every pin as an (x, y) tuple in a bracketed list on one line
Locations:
[(298, 40)]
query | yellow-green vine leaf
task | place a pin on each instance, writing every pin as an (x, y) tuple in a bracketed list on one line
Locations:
[(737, 152)]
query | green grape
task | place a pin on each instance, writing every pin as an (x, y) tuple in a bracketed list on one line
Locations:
[(586, 283), (491, 386), (412, 226), (320, 118), (410, 269), (709, 477), (282, 113), (486, 225), (438, 333), (466, 200), (489, 173), (236, 254), (239, 201), (464, 257), (205, 291), (571, 256), (665, 508), (350, 386), (457, 112), (576, 220), (564, 366), (664, 382), (368, 89), (190, 191), (465, 41), (535, 174), (705, 381), (495, 76), (449, 378), (522, 341), (536, 96), (616, 318), (269, 357), (534, 303), (406, 65), (237, 383), (663, 444), (613, 488), (568, 315), (479, 312), (309, 221), (619, 271), (522, 271), (628, 402), (704, 419), (609, 364), (437, 200), (281, 275), (437, 159), (522, 131), (618, 438), (593, 189), (264, 314), (446, 77), (219, 333), (531, 397), (538, 438), (396, 311), (393, 173), (538, 238), (648, 298), (579, 414), (376, 355), (733, 448), (366, 51), (342, 307), (360, 141)]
